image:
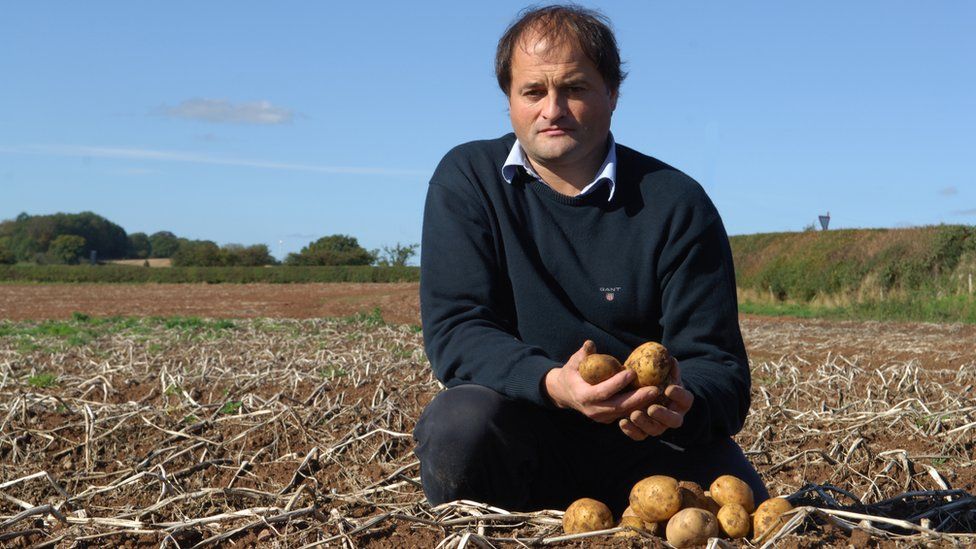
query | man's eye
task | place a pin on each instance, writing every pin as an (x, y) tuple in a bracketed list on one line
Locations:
[(576, 89), (534, 93)]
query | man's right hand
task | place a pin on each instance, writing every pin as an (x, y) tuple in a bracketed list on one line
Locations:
[(604, 402)]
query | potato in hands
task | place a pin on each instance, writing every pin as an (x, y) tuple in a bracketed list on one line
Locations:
[(651, 362), (597, 368)]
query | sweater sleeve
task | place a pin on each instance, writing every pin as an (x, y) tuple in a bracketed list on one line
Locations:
[(701, 325), (465, 297)]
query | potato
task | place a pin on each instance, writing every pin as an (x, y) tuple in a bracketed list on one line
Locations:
[(631, 519), (587, 515), (597, 368), (692, 495), (710, 504), (768, 516), (734, 521), (652, 363), (691, 527), (655, 498), (729, 489)]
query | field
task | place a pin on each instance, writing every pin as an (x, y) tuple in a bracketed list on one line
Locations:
[(255, 415)]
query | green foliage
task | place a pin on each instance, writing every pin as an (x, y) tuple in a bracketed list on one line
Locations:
[(957, 308), (65, 249), (802, 266), (40, 381), (30, 237), (230, 407), (163, 244), (337, 249), (204, 253), (398, 255), (7, 256), (210, 275), (139, 246)]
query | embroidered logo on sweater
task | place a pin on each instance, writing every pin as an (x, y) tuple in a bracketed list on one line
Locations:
[(609, 293)]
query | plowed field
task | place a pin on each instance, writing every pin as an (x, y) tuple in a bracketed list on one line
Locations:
[(289, 424)]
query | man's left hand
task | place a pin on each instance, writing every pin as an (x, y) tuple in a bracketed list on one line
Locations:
[(658, 418)]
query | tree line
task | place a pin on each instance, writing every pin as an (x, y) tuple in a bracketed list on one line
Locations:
[(66, 239)]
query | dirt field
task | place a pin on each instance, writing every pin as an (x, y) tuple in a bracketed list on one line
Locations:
[(165, 432), (399, 302)]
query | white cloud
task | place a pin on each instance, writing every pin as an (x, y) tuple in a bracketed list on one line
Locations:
[(949, 191), (223, 111), (85, 151), (971, 211)]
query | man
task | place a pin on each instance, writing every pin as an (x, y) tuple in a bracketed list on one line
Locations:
[(553, 243)]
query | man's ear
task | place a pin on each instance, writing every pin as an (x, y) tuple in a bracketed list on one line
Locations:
[(613, 100)]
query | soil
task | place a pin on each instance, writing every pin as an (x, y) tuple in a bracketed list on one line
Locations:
[(301, 407), (399, 302)]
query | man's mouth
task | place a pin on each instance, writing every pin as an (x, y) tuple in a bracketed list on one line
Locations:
[(555, 131)]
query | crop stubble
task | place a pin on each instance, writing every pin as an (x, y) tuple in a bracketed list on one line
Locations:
[(297, 432)]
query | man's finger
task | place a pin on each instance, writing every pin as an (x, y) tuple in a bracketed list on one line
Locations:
[(607, 389), (632, 400), (587, 348), (665, 417), (646, 423), (680, 399), (631, 430)]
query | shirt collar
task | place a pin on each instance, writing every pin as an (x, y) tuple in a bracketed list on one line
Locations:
[(607, 171)]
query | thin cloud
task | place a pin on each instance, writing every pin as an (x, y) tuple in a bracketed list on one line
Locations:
[(949, 191), (971, 211), (221, 111), (84, 151)]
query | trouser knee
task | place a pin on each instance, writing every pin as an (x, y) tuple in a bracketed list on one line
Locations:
[(465, 445)]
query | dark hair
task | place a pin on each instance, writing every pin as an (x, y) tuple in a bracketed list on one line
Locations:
[(559, 25)]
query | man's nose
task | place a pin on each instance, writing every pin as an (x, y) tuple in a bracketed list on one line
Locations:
[(555, 106)]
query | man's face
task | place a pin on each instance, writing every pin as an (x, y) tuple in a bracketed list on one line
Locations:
[(559, 105)]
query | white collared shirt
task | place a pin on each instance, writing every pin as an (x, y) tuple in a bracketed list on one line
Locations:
[(607, 171)]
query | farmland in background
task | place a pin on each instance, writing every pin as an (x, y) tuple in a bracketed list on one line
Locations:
[(142, 432), (917, 274)]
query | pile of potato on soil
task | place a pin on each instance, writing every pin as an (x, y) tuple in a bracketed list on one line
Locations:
[(684, 513)]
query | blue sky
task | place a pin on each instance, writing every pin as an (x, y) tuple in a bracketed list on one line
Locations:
[(278, 123)]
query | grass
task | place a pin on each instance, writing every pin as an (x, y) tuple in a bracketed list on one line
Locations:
[(43, 380), (956, 308), (82, 329)]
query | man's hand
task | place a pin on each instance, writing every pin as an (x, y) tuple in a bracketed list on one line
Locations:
[(658, 418), (603, 402)]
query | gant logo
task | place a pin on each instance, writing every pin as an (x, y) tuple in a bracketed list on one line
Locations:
[(609, 293)]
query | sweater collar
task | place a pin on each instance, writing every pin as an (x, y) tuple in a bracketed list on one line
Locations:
[(607, 171)]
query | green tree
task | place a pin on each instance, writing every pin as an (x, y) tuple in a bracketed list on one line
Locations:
[(337, 249), (7, 256), (66, 249), (248, 256), (163, 244), (197, 253), (398, 255), (139, 246), (30, 236)]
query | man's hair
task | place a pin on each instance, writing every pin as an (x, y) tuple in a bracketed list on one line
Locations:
[(561, 25)]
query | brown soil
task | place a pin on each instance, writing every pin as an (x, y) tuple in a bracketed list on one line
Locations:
[(302, 427), (398, 302)]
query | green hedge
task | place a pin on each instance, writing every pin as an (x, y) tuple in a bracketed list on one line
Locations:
[(210, 275), (801, 266)]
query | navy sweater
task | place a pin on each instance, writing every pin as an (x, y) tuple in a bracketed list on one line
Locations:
[(514, 277)]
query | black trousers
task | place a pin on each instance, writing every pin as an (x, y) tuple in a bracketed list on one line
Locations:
[(474, 443)]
